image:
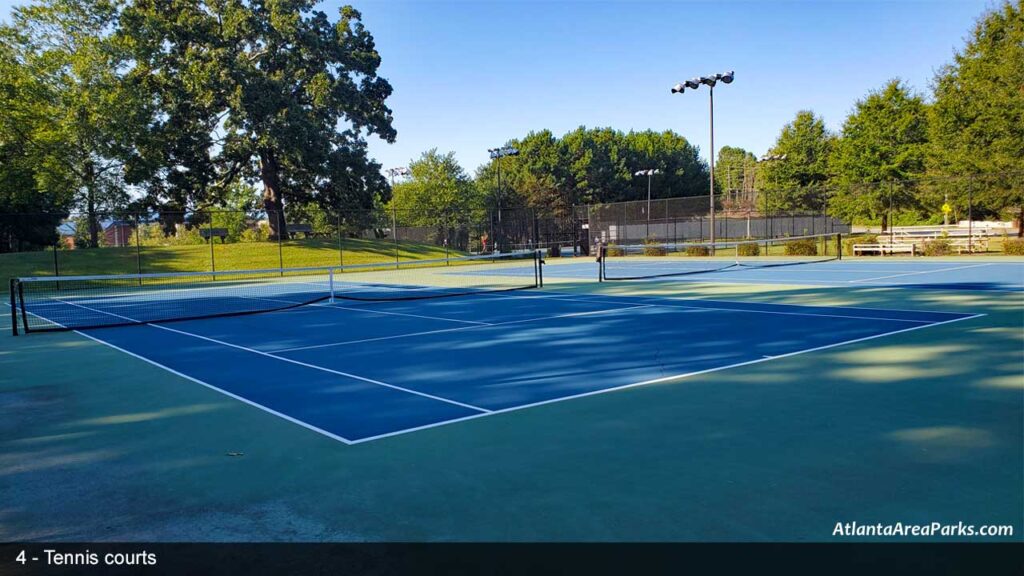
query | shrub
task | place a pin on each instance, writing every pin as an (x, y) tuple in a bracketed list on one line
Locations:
[(698, 250), (652, 248), (254, 234), (1013, 246), (554, 251), (938, 247), (802, 247), (848, 242), (748, 249), (613, 250)]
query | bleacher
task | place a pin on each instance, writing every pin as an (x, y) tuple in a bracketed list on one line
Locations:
[(964, 238)]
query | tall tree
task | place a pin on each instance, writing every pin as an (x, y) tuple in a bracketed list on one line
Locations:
[(884, 139), (290, 94), (437, 190), (94, 115), (977, 119), (33, 182), (733, 169), (807, 146)]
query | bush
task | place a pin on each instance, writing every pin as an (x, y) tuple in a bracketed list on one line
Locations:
[(1013, 246), (938, 247), (613, 250), (652, 248), (802, 247), (748, 249), (254, 234), (849, 241), (698, 250), (554, 251)]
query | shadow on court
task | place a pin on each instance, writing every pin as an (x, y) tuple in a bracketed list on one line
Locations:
[(915, 427)]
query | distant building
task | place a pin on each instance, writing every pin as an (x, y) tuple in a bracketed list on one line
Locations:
[(67, 235), (118, 233)]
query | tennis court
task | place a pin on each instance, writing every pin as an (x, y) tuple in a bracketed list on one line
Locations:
[(375, 367), (995, 274), (539, 403)]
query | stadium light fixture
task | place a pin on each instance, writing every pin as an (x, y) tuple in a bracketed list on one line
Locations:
[(693, 84), (399, 171), (497, 154), (649, 173)]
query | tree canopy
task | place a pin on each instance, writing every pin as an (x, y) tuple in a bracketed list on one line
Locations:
[(885, 138)]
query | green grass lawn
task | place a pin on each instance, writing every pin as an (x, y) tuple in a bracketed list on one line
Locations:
[(199, 258)]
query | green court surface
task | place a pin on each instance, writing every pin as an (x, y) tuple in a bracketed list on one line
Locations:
[(914, 427)]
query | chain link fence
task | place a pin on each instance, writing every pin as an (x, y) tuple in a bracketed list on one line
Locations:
[(219, 240), (737, 216)]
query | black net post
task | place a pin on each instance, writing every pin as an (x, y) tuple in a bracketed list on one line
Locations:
[(21, 299), (14, 308), (540, 269)]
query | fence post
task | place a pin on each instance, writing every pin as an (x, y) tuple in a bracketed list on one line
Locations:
[(56, 261), (970, 215), (394, 232), (341, 250), (213, 262), (280, 239), (138, 246), (890, 217)]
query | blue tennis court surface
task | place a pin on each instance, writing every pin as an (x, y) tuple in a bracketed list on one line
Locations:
[(363, 371), (1005, 275)]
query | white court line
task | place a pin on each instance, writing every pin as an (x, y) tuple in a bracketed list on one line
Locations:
[(221, 390), (534, 404), (460, 329), (373, 311), (206, 384), (656, 380), (370, 310), (938, 270), (664, 302), (296, 362)]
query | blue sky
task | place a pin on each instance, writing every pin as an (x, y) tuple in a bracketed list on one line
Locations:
[(470, 75)]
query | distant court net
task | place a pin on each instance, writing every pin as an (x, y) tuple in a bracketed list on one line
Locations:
[(56, 303), (646, 261)]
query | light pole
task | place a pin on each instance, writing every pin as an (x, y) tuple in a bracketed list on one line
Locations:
[(497, 154), (393, 172), (399, 171), (770, 158), (710, 82), (649, 172)]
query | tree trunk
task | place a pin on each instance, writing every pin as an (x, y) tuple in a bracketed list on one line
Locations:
[(885, 221), (270, 173), (90, 207)]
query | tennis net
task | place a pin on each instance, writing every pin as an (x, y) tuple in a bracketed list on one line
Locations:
[(55, 303), (650, 260)]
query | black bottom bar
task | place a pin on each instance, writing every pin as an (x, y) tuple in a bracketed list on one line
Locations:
[(991, 559)]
